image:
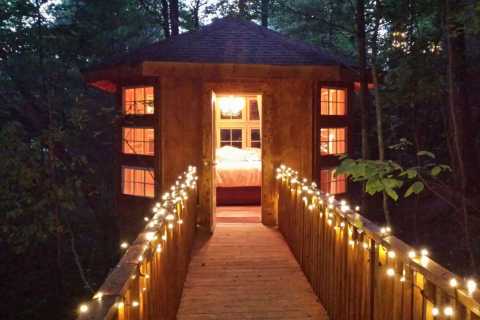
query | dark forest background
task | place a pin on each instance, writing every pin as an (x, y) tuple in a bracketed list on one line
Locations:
[(58, 235)]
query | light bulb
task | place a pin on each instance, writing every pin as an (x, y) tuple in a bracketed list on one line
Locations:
[(83, 308)]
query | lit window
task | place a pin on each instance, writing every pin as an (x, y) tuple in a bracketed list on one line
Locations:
[(254, 113), (138, 141), (332, 141), (255, 138), (231, 107), (138, 100), (231, 137), (331, 183), (332, 102), (138, 182)]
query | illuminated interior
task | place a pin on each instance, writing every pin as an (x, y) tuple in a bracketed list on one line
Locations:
[(138, 141), (333, 141), (238, 148), (138, 181), (331, 183), (138, 100), (332, 102)]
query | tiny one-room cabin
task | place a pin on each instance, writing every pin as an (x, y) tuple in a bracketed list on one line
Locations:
[(236, 100)]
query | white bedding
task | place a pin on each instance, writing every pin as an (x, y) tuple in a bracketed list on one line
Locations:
[(238, 167)]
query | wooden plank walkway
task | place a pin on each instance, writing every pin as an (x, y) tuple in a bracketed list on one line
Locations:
[(246, 271)]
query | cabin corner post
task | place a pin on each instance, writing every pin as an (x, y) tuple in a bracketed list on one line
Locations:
[(206, 183), (269, 214)]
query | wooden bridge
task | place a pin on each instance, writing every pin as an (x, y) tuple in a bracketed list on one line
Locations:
[(324, 261)]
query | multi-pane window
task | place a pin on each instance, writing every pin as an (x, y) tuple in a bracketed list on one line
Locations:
[(138, 141), (255, 138), (332, 141), (138, 100), (331, 183), (231, 137), (332, 102), (138, 181)]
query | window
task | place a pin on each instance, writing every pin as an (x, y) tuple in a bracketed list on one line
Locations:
[(138, 100), (332, 102), (231, 107), (231, 137), (138, 182), (254, 114), (255, 138), (330, 183), (332, 141), (138, 141)]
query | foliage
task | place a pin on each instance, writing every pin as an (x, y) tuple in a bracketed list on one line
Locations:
[(390, 177)]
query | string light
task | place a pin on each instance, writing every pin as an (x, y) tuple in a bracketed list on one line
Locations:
[(83, 308), (448, 311), (435, 311), (471, 286), (124, 245), (453, 283), (390, 272)]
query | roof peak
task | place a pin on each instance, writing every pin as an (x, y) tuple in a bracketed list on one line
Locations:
[(234, 40)]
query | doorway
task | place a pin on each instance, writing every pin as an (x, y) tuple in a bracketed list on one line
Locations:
[(237, 157)]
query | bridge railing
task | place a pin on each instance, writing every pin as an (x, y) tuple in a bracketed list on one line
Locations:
[(147, 282), (358, 269)]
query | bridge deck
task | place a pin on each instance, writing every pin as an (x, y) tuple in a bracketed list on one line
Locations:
[(246, 271)]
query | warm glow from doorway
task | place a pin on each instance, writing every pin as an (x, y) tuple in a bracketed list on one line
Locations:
[(231, 105)]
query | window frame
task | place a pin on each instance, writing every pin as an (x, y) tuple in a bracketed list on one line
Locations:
[(136, 168), (144, 142), (333, 180), (346, 100), (123, 101), (219, 143), (345, 137)]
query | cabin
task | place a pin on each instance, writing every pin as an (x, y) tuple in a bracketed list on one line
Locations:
[(235, 99), (234, 115)]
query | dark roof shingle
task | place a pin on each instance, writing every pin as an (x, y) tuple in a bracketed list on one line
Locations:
[(232, 40)]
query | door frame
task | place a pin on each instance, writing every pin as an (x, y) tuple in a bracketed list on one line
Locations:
[(207, 189)]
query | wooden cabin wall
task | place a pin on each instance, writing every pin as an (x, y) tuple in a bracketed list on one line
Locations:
[(184, 128), (287, 135), (180, 127)]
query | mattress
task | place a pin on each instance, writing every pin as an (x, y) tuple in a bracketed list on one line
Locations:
[(238, 167)]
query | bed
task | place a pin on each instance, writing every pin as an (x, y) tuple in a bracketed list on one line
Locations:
[(238, 176)]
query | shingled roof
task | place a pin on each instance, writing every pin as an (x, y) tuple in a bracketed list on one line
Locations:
[(232, 40)]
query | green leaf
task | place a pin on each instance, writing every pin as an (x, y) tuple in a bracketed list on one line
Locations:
[(373, 186), (436, 171), (410, 173), (416, 188), (426, 153), (392, 193)]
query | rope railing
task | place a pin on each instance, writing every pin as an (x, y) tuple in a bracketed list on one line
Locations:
[(360, 270), (148, 281)]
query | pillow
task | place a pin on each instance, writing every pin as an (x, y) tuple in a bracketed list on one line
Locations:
[(230, 153)]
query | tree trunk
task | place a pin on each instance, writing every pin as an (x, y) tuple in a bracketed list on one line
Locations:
[(174, 23), (196, 18), (265, 12), (165, 19), (242, 8), (362, 63), (461, 133), (378, 103)]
